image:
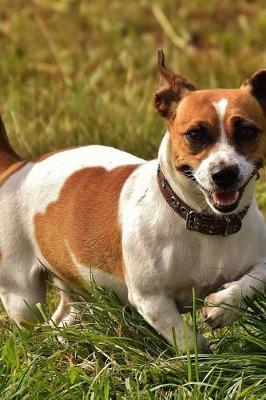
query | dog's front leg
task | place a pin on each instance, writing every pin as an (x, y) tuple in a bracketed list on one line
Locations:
[(221, 307), (162, 314)]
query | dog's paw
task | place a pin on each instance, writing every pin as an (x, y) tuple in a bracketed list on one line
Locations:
[(221, 308)]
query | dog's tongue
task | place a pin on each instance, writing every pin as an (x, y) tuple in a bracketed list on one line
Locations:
[(225, 198)]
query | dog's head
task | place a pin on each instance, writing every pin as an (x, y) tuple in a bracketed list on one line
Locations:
[(217, 136)]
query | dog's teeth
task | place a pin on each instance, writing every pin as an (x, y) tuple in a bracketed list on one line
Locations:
[(225, 198)]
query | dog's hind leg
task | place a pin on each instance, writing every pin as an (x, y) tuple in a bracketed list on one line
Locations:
[(65, 313)]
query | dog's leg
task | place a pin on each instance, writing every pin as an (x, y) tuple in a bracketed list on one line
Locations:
[(61, 311), (20, 296), (151, 292), (231, 297), (162, 314), (65, 314)]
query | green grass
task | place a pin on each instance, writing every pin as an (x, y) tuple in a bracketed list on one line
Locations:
[(80, 72), (114, 354)]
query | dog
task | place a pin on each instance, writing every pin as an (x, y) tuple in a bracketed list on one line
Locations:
[(148, 230)]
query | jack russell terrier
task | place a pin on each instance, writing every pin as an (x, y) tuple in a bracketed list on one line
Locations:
[(148, 230)]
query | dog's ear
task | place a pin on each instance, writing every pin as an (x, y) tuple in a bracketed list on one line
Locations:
[(256, 85), (172, 89)]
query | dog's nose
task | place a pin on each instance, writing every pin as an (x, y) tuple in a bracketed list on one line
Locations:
[(226, 177)]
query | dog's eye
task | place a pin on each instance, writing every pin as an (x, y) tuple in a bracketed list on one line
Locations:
[(247, 134), (197, 137)]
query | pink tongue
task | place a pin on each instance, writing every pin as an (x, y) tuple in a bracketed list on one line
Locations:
[(226, 197)]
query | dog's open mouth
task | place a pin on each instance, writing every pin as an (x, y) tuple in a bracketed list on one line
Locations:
[(225, 201)]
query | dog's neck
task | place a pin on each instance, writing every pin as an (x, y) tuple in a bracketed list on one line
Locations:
[(185, 188)]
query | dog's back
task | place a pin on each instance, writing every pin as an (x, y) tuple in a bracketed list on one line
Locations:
[(62, 210)]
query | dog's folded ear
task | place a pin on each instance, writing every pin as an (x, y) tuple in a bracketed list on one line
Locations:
[(173, 88), (256, 85)]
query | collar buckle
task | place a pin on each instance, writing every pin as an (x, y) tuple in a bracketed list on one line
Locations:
[(232, 225)]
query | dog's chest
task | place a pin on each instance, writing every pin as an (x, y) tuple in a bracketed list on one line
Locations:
[(204, 262), (161, 254), (176, 260)]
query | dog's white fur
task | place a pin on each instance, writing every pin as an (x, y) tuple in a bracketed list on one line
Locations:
[(220, 107), (163, 260)]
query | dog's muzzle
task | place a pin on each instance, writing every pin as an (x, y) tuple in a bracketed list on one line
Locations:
[(226, 178), (208, 224)]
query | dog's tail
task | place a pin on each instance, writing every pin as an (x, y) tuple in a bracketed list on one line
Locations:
[(5, 145)]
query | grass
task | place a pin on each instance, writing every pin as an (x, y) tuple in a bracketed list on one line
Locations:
[(114, 354), (80, 72)]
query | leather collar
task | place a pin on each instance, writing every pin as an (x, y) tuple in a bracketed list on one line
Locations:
[(209, 224)]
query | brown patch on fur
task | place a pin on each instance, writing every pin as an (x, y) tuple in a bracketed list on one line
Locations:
[(84, 222), (198, 107), (172, 88), (184, 107)]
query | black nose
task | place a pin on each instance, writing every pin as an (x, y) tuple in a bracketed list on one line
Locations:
[(226, 177)]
